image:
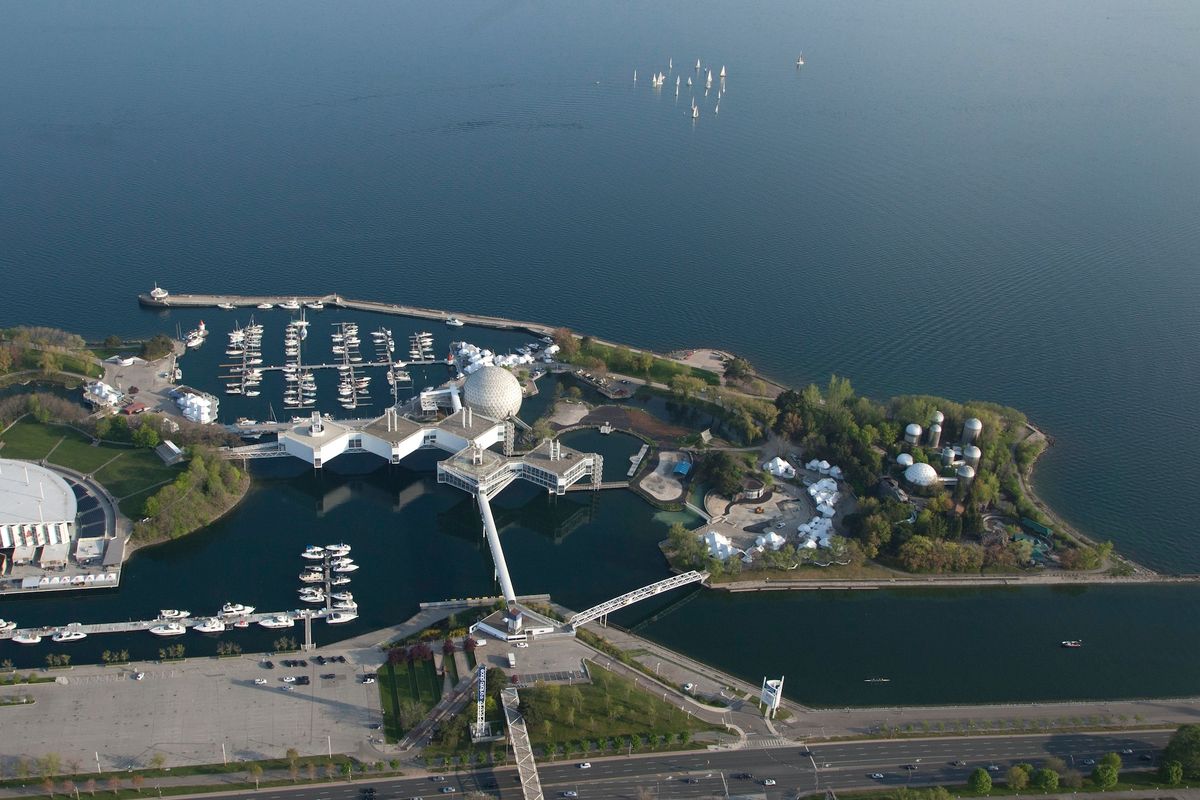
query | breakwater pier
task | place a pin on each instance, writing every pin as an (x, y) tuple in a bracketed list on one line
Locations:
[(161, 299)]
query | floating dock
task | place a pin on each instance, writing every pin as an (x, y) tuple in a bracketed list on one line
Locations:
[(146, 624)]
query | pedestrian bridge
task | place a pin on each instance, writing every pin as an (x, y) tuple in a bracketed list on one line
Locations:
[(629, 598)]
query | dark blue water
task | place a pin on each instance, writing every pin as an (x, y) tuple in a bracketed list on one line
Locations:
[(991, 201)]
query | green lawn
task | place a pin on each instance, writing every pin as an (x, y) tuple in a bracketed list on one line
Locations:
[(133, 471), (406, 683), (610, 707)]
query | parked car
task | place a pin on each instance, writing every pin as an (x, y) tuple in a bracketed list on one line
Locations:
[(447, 790), (768, 782)]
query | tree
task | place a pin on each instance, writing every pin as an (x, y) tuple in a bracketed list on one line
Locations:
[(145, 436), (137, 781), (568, 345), (1113, 760), (49, 362), (985, 491), (1045, 780), (1184, 747), (68, 787), (48, 787), (1018, 777), (112, 340), (1171, 772), (980, 781), (1104, 776), (254, 771), (157, 760), (114, 784)]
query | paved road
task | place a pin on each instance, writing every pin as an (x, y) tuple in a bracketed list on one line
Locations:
[(706, 774)]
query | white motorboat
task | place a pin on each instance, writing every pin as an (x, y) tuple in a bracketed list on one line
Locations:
[(346, 606), (168, 629), (7, 625), (338, 617), (346, 568), (27, 638), (210, 625), (312, 577), (173, 613), (68, 635), (290, 305), (265, 306), (313, 598), (454, 322), (338, 549), (236, 610), (343, 597), (315, 305), (340, 580), (225, 306), (280, 621)]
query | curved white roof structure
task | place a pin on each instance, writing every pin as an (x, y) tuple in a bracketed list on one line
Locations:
[(966, 472), (913, 429), (37, 507), (971, 451), (921, 475), (493, 392), (973, 424), (904, 460)]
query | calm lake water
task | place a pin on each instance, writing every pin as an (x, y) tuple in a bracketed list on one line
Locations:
[(991, 200)]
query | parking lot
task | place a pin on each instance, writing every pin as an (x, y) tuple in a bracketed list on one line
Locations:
[(187, 711)]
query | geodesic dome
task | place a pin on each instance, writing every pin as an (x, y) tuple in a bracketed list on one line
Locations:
[(493, 392)]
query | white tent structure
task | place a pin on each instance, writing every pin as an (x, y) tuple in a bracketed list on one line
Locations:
[(780, 468), (770, 540), (815, 533), (719, 546)]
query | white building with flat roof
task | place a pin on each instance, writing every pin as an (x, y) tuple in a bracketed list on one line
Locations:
[(37, 512)]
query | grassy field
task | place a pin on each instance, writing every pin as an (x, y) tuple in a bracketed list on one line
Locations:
[(609, 708), (122, 470), (415, 683)]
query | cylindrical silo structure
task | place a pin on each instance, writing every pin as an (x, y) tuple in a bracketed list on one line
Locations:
[(938, 418), (912, 434), (905, 460), (971, 455), (947, 455), (971, 430), (935, 435), (966, 474)]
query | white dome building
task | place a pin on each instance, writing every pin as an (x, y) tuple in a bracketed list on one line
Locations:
[(904, 460), (912, 434), (493, 392), (921, 475)]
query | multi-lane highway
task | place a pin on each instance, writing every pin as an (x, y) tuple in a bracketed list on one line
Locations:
[(795, 770)]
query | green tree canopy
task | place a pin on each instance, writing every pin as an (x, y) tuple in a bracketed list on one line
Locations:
[(1184, 747), (980, 781)]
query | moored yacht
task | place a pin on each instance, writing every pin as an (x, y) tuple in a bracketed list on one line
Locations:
[(290, 305), (315, 305), (210, 625), (340, 580), (236, 610), (346, 567), (312, 577), (313, 551), (69, 634), (338, 549), (454, 322), (27, 638), (172, 613), (226, 306), (1072, 643), (279, 621), (343, 597), (265, 306), (168, 629), (7, 625), (338, 617)]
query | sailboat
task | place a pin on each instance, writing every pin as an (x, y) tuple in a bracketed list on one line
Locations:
[(722, 75), (697, 65), (800, 60)]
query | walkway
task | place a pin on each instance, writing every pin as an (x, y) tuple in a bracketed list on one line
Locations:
[(518, 738)]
